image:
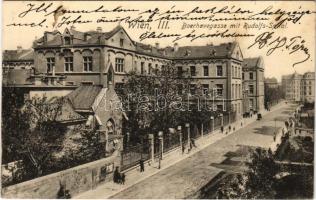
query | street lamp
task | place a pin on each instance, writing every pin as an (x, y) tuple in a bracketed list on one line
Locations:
[(180, 134), (151, 138), (187, 125), (160, 136)]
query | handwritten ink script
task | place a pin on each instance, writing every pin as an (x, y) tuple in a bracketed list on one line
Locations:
[(260, 25)]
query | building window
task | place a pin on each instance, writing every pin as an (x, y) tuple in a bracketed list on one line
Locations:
[(205, 89), (50, 64), (180, 71), (206, 71), (87, 63), (236, 72), (251, 103), (142, 68), (149, 68), (192, 70), (219, 89), (219, 70), (251, 76), (119, 64), (163, 68), (251, 89), (219, 107), (180, 89), (243, 76), (156, 69), (192, 89), (121, 42), (85, 83), (67, 40), (69, 64)]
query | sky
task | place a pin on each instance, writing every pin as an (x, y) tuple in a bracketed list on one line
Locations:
[(276, 65)]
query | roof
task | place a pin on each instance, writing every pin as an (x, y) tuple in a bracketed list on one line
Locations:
[(68, 114), (79, 37), (309, 75), (207, 51), (83, 97), (18, 55), (251, 62), (184, 52), (271, 80)]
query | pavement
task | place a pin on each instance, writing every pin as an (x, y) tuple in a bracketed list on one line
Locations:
[(181, 175)]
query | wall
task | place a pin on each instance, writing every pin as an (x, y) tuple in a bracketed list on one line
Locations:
[(76, 180)]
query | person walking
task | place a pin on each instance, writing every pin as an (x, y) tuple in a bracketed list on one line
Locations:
[(123, 178), (141, 164), (116, 175), (193, 143)]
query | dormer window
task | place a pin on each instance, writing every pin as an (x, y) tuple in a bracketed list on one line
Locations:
[(187, 53), (67, 40)]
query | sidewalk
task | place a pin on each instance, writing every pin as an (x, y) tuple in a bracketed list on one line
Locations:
[(134, 176)]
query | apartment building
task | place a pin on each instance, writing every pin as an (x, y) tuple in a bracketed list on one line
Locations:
[(299, 88), (253, 83), (64, 61)]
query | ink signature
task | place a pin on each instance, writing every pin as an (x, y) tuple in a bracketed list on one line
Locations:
[(292, 45)]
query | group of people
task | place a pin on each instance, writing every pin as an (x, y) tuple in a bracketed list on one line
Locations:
[(118, 177), (191, 145)]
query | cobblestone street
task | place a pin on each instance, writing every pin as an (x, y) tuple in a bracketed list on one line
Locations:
[(188, 176)]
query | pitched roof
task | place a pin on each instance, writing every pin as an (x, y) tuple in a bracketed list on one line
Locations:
[(83, 97), (68, 113), (251, 62), (18, 55), (207, 51), (184, 52)]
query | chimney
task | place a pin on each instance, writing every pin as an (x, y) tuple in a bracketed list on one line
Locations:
[(72, 27), (175, 47), (19, 49), (99, 29), (157, 45)]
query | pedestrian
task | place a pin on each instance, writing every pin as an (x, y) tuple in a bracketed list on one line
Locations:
[(229, 128), (274, 137), (116, 175), (123, 178), (193, 142), (241, 124), (222, 129), (141, 164), (183, 148)]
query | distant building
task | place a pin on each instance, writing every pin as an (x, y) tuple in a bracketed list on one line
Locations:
[(253, 83), (308, 87), (299, 88), (17, 66), (271, 82)]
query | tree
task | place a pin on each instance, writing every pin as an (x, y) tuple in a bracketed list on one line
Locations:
[(31, 133), (258, 182), (158, 102), (261, 175)]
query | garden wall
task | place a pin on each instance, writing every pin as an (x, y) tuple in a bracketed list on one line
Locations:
[(76, 180)]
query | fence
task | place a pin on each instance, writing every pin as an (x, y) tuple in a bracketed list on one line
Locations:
[(132, 155)]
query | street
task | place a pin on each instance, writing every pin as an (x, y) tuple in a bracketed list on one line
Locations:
[(189, 175)]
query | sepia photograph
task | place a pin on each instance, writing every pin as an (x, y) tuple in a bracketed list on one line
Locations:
[(158, 99)]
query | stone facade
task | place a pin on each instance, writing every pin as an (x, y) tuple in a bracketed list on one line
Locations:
[(299, 88), (253, 83)]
